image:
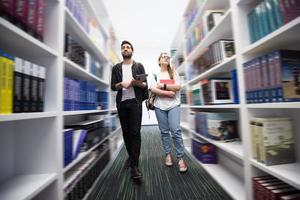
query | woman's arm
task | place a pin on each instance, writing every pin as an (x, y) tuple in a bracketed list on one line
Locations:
[(162, 93), (170, 87)]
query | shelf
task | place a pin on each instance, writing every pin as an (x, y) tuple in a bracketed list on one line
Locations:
[(80, 36), (185, 126), (83, 112), (18, 42), (289, 173), (282, 38), (75, 71), (233, 148), (223, 30), (184, 105), (233, 106), (25, 187), (228, 181), (26, 116), (97, 14), (180, 69), (288, 105), (82, 155), (207, 5), (115, 131), (225, 66)]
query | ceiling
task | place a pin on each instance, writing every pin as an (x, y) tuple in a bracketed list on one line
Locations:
[(149, 25)]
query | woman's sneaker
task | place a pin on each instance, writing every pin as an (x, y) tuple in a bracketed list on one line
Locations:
[(168, 160), (182, 165)]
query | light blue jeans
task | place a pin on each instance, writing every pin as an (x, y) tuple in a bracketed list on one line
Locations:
[(169, 121)]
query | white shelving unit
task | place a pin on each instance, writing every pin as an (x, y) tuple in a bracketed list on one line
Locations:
[(18, 187), (236, 166), (31, 144)]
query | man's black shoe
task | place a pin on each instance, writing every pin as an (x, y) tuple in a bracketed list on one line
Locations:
[(127, 164), (136, 173)]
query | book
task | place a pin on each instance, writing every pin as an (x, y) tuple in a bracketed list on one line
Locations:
[(41, 88), (68, 146), (6, 82), (204, 151), (7, 9), (78, 141), (167, 81), (40, 19), (18, 76), (221, 91), (222, 126), (34, 88), (275, 140)]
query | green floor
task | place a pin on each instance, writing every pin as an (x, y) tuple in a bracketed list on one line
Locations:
[(159, 182)]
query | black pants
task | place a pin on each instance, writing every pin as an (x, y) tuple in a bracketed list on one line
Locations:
[(130, 114)]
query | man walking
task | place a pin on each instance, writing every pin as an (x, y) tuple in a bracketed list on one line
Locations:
[(130, 95)]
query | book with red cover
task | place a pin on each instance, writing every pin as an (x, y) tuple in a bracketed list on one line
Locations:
[(167, 81)]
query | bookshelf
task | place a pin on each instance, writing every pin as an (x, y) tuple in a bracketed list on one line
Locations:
[(31, 144), (236, 166)]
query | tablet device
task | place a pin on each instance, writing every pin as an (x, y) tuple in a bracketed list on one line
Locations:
[(141, 77)]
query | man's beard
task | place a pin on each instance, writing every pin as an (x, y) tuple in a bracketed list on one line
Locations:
[(127, 56)]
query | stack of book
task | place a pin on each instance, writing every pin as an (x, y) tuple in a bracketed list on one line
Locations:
[(272, 140), (274, 77), (217, 126), (28, 15), (22, 85), (270, 188), (96, 132), (79, 12), (270, 15), (79, 95), (80, 179)]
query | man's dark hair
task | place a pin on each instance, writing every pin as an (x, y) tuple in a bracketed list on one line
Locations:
[(127, 42)]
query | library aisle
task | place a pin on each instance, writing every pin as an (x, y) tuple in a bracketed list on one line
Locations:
[(159, 182)]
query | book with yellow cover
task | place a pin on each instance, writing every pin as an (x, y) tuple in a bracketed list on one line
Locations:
[(6, 65)]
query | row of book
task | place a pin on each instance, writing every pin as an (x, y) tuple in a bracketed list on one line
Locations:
[(272, 140), (76, 53), (215, 90), (205, 152), (79, 12), (80, 178), (87, 22), (208, 21), (270, 15), (191, 12), (270, 188), (221, 126), (273, 77), (22, 85), (216, 53), (28, 15), (83, 95), (81, 136)]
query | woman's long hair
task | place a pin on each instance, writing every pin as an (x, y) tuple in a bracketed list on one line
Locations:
[(169, 68)]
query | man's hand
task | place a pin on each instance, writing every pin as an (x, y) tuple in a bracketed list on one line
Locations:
[(126, 85), (136, 82)]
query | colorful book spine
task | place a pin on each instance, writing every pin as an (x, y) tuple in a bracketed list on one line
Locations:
[(34, 88), (41, 88), (18, 76)]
